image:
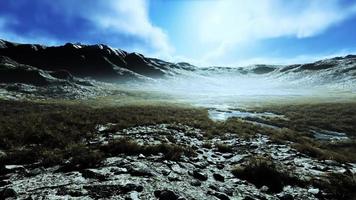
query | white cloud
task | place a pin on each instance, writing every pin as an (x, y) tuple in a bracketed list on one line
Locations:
[(131, 17), (115, 18), (228, 24)]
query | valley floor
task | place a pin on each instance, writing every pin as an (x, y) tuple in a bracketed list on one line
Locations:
[(82, 150)]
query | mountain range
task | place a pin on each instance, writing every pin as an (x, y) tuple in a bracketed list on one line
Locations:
[(38, 65)]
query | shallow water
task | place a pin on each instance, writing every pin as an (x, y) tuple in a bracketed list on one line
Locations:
[(222, 115), (329, 135)]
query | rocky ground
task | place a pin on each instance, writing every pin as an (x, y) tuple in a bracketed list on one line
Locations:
[(206, 175)]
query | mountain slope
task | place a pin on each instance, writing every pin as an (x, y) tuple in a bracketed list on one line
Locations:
[(100, 62)]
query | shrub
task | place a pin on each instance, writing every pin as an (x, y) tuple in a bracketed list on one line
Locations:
[(223, 148), (84, 157), (207, 145), (262, 171), (338, 186), (130, 147)]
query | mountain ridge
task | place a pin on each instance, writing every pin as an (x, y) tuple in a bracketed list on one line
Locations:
[(98, 61)]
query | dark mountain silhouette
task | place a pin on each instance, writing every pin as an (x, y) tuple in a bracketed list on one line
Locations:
[(99, 62)]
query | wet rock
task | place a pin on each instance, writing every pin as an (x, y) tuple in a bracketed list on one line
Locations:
[(199, 175), (7, 193), (166, 195), (219, 177)]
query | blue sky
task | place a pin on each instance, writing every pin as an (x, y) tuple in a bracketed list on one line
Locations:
[(203, 32)]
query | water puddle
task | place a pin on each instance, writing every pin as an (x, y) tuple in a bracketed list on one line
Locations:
[(329, 135), (222, 115)]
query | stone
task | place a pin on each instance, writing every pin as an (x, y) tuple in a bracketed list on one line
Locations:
[(140, 169), (219, 177), (195, 183), (89, 173), (2, 154), (220, 166), (221, 196), (313, 190), (166, 195), (133, 187), (286, 197), (133, 196), (199, 175), (4, 182), (35, 172), (7, 193), (264, 188)]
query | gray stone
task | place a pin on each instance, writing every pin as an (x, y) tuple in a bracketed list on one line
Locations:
[(166, 195), (199, 175), (219, 177)]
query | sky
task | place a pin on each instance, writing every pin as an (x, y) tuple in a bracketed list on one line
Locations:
[(202, 32)]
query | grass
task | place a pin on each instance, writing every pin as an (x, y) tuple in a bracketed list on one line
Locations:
[(301, 118), (339, 117), (32, 131), (262, 171), (337, 185), (130, 147), (53, 132)]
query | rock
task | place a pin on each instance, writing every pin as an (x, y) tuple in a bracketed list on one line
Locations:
[(199, 175), (7, 192), (140, 169), (286, 197), (228, 155), (220, 166), (107, 191), (219, 177), (141, 156), (248, 198), (166, 195), (14, 169), (221, 196), (195, 183), (133, 196), (89, 173), (174, 177), (2, 154), (35, 172), (264, 188), (63, 191), (4, 182), (213, 187), (313, 190), (133, 187)]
